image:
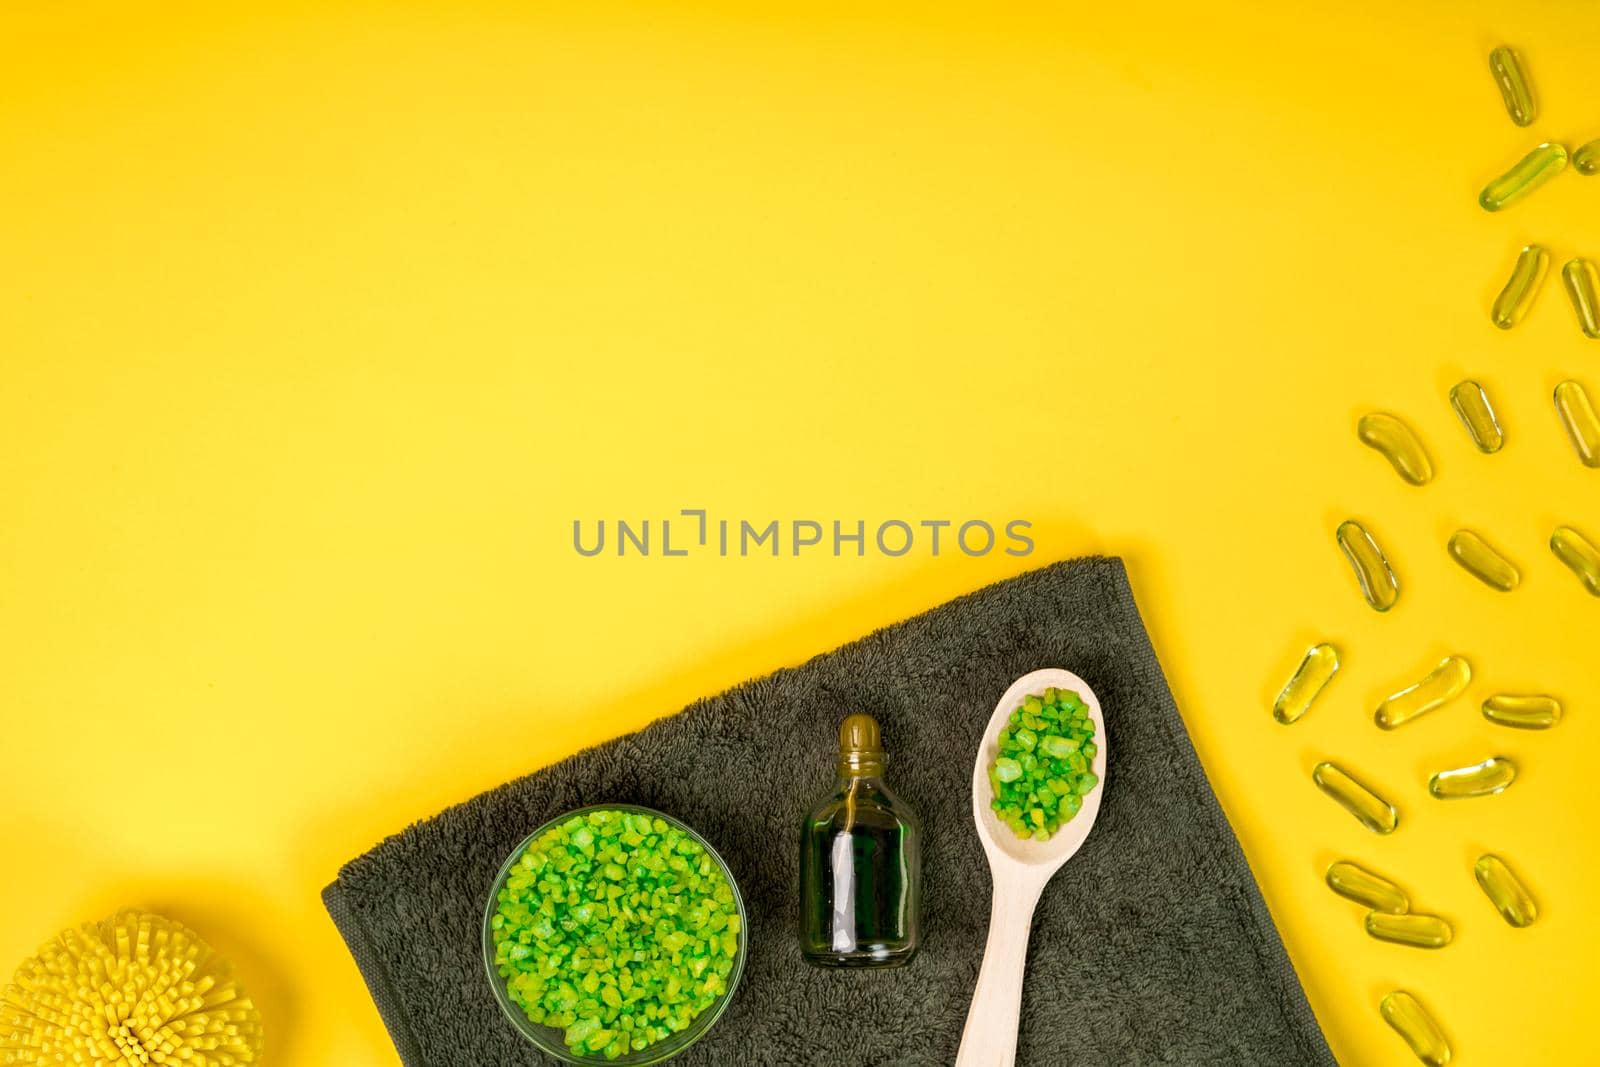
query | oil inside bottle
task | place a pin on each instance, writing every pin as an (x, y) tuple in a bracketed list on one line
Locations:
[(860, 863)]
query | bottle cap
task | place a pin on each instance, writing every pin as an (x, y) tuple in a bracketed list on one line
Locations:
[(859, 736)]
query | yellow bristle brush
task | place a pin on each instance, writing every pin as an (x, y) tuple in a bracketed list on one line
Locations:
[(132, 990)]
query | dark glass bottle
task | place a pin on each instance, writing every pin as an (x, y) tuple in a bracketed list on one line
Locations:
[(860, 863)]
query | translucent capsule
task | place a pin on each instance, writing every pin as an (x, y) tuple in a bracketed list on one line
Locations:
[(1443, 684), (1505, 891), (1522, 712), (1396, 442), (1377, 580), (1586, 160), (1402, 1012), (1576, 552), (1530, 172), (1477, 415), (1484, 779), (1377, 893), (1373, 812), (1483, 562), (1513, 84), (1317, 668), (1582, 286), (1527, 277), (1581, 423), (1418, 931)]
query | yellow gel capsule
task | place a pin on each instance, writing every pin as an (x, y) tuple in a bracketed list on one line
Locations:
[(1483, 562), (1408, 1019), (1579, 278), (1505, 891), (1354, 882), (1527, 277), (1395, 441), (1586, 160), (1578, 417), (1530, 172), (1376, 577), (1418, 931), (1513, 84), (1484, 779), (1443, 684), (1477, 415), (1576, 552), (1320, 664), (1373, 812), (1522, 712)]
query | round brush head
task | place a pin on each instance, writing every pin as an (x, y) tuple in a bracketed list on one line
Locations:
[(132, 990)]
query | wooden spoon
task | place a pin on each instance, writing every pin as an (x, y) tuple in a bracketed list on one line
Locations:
[(1020, 868)]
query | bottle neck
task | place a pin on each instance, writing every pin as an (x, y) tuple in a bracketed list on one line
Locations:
[(861, 765)]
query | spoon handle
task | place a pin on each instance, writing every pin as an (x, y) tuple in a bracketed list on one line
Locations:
[(990, 1037)]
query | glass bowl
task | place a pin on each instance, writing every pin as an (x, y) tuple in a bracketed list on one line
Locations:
[(547, 1039)]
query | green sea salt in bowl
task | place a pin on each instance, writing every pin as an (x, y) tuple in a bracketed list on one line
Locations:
[(615, 935)]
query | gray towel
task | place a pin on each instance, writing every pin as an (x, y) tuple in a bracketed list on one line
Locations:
[(1152, 946)]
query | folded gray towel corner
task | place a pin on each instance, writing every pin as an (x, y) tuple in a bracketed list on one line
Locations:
[(1152, 946)]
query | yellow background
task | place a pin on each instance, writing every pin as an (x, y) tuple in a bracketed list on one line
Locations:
[(320, 325)]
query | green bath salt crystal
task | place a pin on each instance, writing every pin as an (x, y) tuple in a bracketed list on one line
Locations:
[(616, 928), (1042, 770)]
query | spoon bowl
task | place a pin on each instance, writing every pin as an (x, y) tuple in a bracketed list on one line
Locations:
[(1020, 867), (1000, 843)]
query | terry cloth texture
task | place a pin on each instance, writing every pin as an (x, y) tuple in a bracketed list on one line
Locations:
[(1151, 946)]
